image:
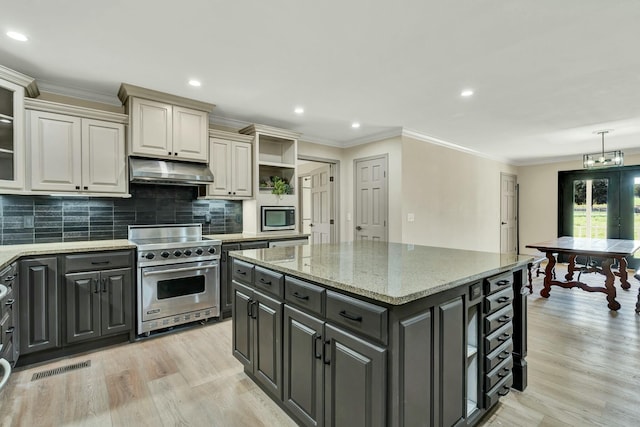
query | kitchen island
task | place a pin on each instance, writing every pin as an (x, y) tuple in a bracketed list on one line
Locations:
[(375, 333)]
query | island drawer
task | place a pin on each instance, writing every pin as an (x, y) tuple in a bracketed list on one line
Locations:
[(97, 261), (497, 283), (499, 372), (498, 336), (304, 294), (498, 299), (360, 316), (242, 272), (498, 318), (269, 281), (498, 355), (501, 389)]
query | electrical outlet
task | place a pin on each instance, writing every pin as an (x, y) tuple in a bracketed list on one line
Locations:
[(207, 218), (28, 222), (411, 217)]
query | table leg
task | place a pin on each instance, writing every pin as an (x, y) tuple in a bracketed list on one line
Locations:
[(548, 275), (571, 267), (608, 284), (623, 273), (638, 303)]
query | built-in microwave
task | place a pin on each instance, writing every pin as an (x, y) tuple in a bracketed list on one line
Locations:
[(276, 218)]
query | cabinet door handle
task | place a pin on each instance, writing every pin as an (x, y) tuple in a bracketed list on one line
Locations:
[(504, 319), (85, 187), (10, 330), (249, 308), (104, 284), (303, 297), (96, 285), (503, 299), (175, 154), (354, 317), (254, 313), (504, 355), (266, 282), (169, 153), (325, 359), (10, 302), (318, 339), (244, 273)]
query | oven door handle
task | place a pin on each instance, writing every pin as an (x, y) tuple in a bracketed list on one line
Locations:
[(178, 270)]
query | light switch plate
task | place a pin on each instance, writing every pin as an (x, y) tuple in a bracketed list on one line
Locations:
[(411, 217)]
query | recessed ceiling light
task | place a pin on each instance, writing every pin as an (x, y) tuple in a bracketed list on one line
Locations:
[(466, 92), (299, 110), (195, 83), (17, 36), (355, 125)]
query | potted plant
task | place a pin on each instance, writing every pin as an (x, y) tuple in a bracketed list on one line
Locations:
[(280, 186)]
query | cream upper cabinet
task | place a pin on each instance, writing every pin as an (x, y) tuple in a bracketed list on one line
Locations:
[(151, 128), (75, 154), (231, 164), (166, 126), (13, 88)]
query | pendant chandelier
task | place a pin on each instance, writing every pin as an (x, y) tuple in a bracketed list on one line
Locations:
[(604, 158)]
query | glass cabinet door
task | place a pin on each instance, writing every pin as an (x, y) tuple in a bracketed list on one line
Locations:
[(11, 135)]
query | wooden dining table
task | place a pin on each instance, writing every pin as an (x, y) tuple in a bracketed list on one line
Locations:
[(607, 251)]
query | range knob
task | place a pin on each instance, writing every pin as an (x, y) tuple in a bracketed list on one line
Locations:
[(150, 255), (177, 253), (187, 252), (212, 250), (199, 251), (165, 254)]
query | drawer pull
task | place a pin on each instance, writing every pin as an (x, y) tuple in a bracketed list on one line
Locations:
[(9, 278), (100, 262), (504, 393), (10, 302), (502, 282), (503, 299), (350, 316), (504, 355), (266, 282), (10, 330), (244, 273), (303, 297), (504, 319), (504, 337), (502, 375)]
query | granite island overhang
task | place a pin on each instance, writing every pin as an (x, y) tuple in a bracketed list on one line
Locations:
[(423, 334)]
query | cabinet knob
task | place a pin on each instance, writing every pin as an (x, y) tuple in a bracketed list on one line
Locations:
[(86, 188), (170, 153), (175, 154), (77, 187)]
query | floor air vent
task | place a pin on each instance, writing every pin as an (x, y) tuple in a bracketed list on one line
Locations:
[(61, 370)]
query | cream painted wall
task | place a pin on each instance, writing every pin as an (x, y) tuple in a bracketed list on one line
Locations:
[(539, 199), (454, 196)]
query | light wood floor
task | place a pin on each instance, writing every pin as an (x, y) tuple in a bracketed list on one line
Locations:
[(584, 369)]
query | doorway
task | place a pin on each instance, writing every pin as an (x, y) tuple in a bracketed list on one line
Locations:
[(371, 198), (602, 204), (318, 181), (508, 214)]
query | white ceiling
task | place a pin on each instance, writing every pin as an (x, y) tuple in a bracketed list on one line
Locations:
[(546, 73)]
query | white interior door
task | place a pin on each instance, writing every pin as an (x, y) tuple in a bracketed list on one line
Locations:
[(508, 214), (371, 204), (305, 204), (321, 208)]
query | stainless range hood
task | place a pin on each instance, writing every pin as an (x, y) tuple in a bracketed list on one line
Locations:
[(151, 171)]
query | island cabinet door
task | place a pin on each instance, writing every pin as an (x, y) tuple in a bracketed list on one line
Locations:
[(117, 291), (303, 367), (452, 356), (83, 306), (355, 380), (267, 342), (243, 324)]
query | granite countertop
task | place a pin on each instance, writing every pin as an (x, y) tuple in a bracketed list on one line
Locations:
[(246, 237), (392, 273), (10, 253)]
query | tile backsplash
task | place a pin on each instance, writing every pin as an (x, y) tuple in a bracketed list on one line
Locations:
[(43, 219)]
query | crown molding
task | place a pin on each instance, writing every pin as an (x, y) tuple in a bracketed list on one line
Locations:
[(72, 110), (269, 130), (29, 83), (126, 90), (227, 122), (441, 142), (233, 136), (387, 134), (311, 139), (85, 94)]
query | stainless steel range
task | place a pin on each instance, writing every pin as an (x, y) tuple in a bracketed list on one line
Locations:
[(178, 275)]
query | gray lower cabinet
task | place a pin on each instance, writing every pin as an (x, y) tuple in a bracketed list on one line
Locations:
[(39, 326), (257, 336), (98, 303), (226, 294), (331, 376)]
